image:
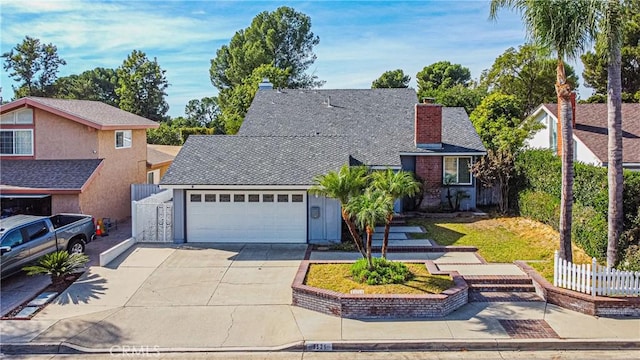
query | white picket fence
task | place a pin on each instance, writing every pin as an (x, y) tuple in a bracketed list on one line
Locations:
[(594, 279)]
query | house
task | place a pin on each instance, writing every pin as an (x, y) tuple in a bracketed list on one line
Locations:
[(253, 187), (590, 134), (77, 156), (159, 157)]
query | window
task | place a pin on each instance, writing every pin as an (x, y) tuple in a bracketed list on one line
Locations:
[(283, 197), (150, 178), (13, 239), (456, 170), (36, 230), (238, 198), (24, 116), (254, 198), (225, 198), (209, 197), (16, 142), (123, 139), (267, 198), (196, 198), (553, 134), (296, 198)]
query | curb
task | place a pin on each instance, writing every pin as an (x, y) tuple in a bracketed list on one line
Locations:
[(348, 346)]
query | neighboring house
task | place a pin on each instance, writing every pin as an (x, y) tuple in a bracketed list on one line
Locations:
[(159, 157), (590, 133), (253, 187), (75, 156)]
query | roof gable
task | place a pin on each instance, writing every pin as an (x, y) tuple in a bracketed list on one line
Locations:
[(95, 114)]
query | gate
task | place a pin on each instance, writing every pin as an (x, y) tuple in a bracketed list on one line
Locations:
[(152, 218)]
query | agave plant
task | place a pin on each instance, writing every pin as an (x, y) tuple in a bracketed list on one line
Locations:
[(58, 265)]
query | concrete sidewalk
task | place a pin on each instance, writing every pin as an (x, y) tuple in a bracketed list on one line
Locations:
[(237, 297)]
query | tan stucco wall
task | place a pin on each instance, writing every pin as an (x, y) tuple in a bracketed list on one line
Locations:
[(109, 194), (60, 138), (65, 204)]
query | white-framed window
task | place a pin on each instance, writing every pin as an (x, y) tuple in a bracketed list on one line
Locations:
[(22, 116), (457, 169), (16, 142), (123, 139), (553, 134)]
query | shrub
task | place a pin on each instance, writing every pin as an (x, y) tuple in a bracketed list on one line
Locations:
[(384, 272), (58, 265), (589, 231), (185, 132), (631, 259), (540, 206)]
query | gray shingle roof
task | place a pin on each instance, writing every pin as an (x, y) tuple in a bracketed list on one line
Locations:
[(255, 160), (94, 112), (47, 174)]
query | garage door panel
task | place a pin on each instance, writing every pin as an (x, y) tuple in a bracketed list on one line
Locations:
[(244, 221)]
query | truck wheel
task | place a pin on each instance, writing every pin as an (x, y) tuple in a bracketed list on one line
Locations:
[(76, 246)]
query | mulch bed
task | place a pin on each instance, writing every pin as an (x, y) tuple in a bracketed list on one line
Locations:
[(51, 288)]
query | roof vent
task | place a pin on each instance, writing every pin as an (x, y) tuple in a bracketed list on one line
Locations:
[(328, 101), (265, 85)]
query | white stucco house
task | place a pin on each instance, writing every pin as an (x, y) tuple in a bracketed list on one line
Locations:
[(590, 135)]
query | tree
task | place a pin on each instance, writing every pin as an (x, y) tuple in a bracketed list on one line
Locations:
[(343, 185), (391, 79), (282, 38), (35, 65), (528, 73), (564, 27), (396, 185), (596, 63), (164, 135), (612, 32), (205, 112), (98, 84), (450, 85), (141, 86), (368, 210)]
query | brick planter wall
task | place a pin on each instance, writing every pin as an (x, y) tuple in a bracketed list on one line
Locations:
[(584, 303), (372, 306)]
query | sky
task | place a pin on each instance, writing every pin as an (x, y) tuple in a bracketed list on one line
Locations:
[(359, 40)]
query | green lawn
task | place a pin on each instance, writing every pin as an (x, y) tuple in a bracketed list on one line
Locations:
[(337, 277), (501, 239)]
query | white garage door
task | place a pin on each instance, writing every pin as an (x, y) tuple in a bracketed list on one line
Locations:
[(247, 216)]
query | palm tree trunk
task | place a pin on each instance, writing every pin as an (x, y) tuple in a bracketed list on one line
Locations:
[(565, 113), (354, 232), (369, 241), (385, 239), (614, 167)]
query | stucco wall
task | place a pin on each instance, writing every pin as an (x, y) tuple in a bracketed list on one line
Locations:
[(65, 204), (109, 194), (60, 138), (540, 139)]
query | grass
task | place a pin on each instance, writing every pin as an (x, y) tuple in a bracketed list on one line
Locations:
[(502, 240), (337, 277)]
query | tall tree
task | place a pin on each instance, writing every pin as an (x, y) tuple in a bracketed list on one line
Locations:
[(396, 184), (450, 85), (205, 112), (98, 84), (344, 185), (565, 27), (612, 31), (34, 65), (391, 79), (528, 73), (596, 63), (141, 87)]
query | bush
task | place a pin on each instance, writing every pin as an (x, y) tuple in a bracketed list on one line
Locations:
[(384, 272), (58, 265), (540, 206), (631, 259), (185, 132)]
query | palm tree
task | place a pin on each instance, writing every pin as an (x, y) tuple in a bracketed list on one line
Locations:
[(58, 265), (612, 31), (368, 210), (342, 186), (564, 27), (397, 185)]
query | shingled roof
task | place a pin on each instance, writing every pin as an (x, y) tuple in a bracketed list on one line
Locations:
[(591, 129), (95, 114), (47, 175)]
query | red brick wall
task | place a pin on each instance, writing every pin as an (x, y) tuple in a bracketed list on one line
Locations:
[(429, 168), (428, 124)]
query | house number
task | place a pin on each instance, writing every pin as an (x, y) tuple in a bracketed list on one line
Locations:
[(320, 347)]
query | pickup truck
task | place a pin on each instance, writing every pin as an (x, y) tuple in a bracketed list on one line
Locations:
[(25, 238)]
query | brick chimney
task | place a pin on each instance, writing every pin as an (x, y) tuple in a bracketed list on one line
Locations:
[(428, 125)]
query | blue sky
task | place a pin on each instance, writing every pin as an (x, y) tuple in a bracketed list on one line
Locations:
[(359, 40)]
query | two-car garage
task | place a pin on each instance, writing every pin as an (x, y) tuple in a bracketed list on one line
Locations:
[(277, 216)]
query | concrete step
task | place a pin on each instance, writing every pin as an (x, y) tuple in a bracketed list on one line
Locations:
[(479, 279), (502, 288), (493, 296)]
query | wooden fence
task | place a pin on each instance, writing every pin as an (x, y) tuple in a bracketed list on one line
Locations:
[(594, 279)]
